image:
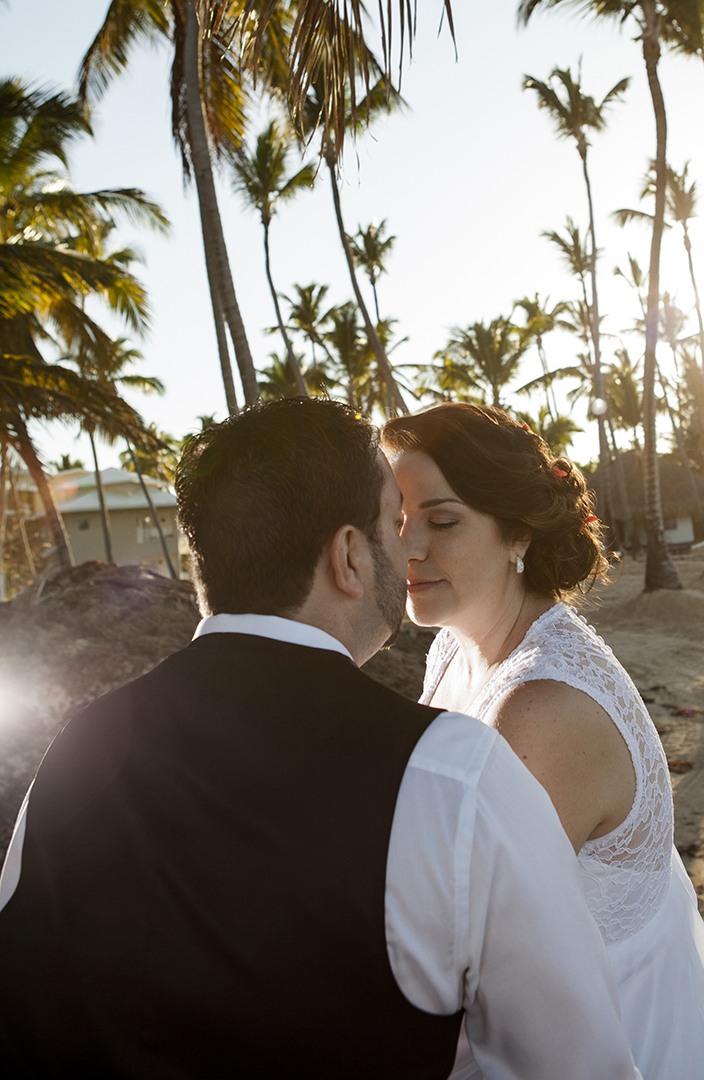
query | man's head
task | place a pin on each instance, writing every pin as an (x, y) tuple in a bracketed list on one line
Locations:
[(262, 495)]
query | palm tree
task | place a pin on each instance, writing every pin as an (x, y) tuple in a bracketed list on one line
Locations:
[(329, 45), (692, 406), (447, 378), (276, 380), (673, 322), (156, 458), (681, 207), (624, 389), (575, 113), (48, 264), (678, 24), (369, 251), (541, 320), (557, 431), (349, 346), (264, 180), (308, 317), (106, 367), (491, 352), (209, 100), (380, 98), (66, 462)]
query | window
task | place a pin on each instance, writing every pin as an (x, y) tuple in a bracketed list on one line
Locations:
[(147, 530)]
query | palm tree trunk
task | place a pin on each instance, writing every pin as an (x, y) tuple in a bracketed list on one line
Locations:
[(376, 303), (25, 448), (104, 520), (152, 510), (398, 405), (217, 264), (549, 388), (224, 355), (697, 301), (628, 525), (22, 528), (290, 356), (660, 572), (604, 455)]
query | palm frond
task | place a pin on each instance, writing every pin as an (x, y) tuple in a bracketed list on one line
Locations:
[(329, 43)]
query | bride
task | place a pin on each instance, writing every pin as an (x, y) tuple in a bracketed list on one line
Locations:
[(501, 538)]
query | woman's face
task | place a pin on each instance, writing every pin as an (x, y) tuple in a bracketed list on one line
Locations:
[(459, 565)]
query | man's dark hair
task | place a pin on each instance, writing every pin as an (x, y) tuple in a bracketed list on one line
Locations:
[(260, 495)]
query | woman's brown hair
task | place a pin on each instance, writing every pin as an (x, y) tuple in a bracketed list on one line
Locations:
[(500, 467)]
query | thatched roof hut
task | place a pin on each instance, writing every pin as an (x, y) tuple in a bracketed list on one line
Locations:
[(681, 492)]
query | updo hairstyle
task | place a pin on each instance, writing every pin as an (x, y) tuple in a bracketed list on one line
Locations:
[(500, 467)]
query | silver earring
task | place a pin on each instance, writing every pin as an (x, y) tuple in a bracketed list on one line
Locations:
[(520, 565)]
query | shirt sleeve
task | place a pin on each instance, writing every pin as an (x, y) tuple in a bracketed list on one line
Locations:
[(539, 997)]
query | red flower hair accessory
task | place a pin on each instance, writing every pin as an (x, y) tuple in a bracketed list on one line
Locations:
[(589, 519), (559, 473)]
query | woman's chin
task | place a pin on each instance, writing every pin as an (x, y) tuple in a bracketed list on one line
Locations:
[(418, 615)]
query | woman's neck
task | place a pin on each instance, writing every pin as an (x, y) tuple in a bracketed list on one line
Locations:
[(483, 646)]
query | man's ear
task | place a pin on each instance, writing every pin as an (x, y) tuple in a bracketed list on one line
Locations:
[(348, 560)]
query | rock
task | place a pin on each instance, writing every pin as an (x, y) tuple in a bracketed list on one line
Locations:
[(70, 640)]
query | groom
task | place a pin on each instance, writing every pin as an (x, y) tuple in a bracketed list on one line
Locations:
[(257, 862)]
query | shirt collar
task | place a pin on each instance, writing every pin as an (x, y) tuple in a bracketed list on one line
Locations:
[(271, 626)]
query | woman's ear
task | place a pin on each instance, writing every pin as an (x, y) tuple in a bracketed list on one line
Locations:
[(348, 557)]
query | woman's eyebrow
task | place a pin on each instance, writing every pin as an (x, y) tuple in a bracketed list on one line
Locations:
[(438, 502)]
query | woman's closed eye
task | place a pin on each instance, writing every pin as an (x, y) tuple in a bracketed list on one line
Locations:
[(442, 523)]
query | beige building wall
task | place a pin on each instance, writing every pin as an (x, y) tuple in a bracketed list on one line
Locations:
[(134, 537)]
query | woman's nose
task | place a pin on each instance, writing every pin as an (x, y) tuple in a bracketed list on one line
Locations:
[(412, 541)]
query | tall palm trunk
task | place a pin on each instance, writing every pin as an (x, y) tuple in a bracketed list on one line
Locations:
[(697, 301), (26, 546), (550, 401), (660, 572), (24, 447), (290, 355), (104, 519), (396, 402), (224, 355), (604, 455), (376, 302), (217, 264), (152, 511)]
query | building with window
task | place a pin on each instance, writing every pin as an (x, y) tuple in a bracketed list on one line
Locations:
[(134, 535)]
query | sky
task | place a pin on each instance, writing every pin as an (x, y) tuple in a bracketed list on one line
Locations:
[(467, 178)]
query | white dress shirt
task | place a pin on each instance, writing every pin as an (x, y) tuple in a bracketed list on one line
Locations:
[(483, 904)]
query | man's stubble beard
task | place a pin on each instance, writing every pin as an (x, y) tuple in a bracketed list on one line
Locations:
[(389, 593)]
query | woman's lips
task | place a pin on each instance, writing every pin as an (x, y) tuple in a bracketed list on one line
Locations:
[(415, 587)]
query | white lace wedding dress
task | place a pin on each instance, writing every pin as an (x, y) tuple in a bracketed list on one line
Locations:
[(634, 880)]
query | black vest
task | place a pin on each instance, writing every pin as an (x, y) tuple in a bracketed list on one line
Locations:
[(202, 887)]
